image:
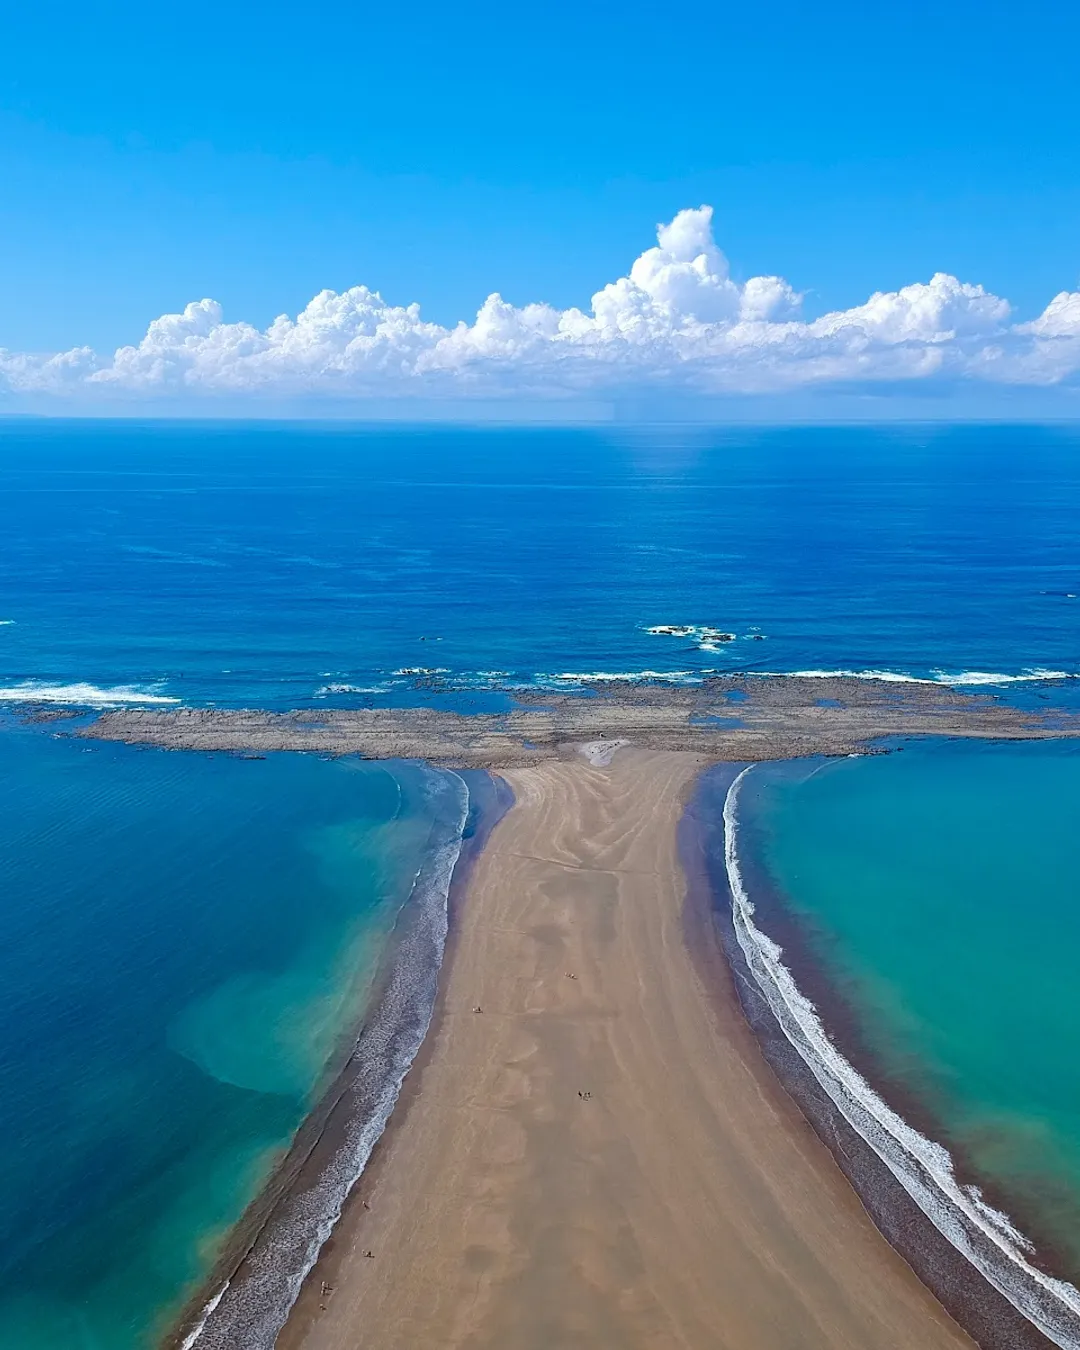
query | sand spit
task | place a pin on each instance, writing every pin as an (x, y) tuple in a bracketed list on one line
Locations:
[(731, 718), (594, 1152)]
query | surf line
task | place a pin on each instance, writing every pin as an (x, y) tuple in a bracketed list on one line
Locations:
[(986, 1237)]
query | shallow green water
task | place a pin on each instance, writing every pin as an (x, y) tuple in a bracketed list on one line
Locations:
[(938, 890), (186, 942)]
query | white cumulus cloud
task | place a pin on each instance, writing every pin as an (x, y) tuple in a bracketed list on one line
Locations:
[(676, 323)]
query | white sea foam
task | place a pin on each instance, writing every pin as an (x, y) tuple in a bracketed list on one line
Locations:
[(6, 623), (326, 689), (627, 676), (985, 1236), (251, 1311), (196, 1331), (503, 679), (964, 677), (989, 677), (80, 695), (891, 676), (705, 636)]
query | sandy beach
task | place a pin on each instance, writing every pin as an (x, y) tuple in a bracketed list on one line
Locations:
[(599, 1156)]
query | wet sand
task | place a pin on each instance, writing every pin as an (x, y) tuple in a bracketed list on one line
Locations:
[(601, 1157)]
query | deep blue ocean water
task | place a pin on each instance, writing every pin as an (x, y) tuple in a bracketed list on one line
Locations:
[(186, 945), (276, 565)]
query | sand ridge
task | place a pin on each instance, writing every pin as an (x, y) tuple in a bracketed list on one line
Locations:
[(599, 1156)]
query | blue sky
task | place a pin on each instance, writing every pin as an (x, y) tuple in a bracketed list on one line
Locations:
[(151, 156)]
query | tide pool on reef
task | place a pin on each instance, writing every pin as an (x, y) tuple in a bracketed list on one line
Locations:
[(187, 942), (928, 901)]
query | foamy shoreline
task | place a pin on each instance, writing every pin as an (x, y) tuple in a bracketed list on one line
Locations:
[(980, 1234)]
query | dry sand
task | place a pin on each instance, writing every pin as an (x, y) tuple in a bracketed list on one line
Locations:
[(683, 1203)]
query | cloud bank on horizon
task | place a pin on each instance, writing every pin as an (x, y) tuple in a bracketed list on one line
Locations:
[(676, 324)]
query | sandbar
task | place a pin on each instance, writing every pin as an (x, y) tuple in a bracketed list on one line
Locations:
[(593, 1151)]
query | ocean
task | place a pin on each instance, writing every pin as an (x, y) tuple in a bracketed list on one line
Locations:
[(296, 566), (191, 942), (188, 944)]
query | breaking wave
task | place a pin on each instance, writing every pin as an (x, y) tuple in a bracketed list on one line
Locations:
[(964, 677), (631, 676), (81, 695), (326, 689), (510, 681)]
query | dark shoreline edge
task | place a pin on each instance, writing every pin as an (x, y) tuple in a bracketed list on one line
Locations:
[(975, 1304), (254, 1253)]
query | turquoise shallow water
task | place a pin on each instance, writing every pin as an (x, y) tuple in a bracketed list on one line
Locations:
[(929, 902), (186, 944)]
